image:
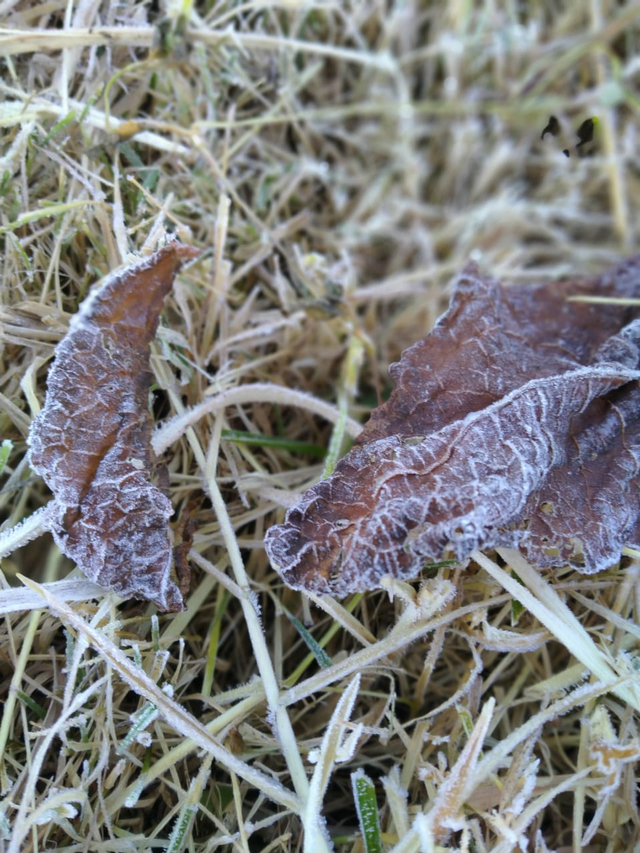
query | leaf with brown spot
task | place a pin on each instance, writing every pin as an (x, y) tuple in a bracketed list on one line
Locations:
[(91, 441), (513, 423)]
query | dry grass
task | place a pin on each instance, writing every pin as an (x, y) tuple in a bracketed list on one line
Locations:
[(338, 164)]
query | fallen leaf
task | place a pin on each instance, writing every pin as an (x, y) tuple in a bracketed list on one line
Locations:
[(91, 441), (513, 423)]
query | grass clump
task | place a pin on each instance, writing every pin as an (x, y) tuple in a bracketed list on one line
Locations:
[(338, 164)]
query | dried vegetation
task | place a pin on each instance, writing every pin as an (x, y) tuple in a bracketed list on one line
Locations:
[(338, 164)]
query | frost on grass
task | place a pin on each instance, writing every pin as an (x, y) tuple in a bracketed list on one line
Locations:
[(514, 423), (91, 441)]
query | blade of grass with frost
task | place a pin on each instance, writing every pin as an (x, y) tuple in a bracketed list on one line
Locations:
[(319, 653), (259, 392), (518, 829), (364, 795), (161, 658), (465, 719), (444, 815), (155, 632), (349, 384), (334, 747), (543, 601), (280, 721), (141, 720), (189, 810), (25, 531), (396, 799), (50, 210), (135, 791)]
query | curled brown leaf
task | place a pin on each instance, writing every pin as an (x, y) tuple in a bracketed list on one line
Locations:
[(514, 423), (91, 441)]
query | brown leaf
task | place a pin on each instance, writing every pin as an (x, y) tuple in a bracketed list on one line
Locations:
[(91, 441), (514, 423)]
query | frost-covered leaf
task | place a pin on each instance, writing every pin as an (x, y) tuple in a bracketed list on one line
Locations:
[(514, 423), (91, 441)]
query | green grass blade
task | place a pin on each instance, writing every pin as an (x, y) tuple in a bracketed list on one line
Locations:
[(302, 447), (319, 653), (364, 794), (5, 450)]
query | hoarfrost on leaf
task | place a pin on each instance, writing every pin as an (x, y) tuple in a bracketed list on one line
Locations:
[(91, 441), (514, 423)]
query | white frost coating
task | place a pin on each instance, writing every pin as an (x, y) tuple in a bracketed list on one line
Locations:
[(259, 392), (23, 532), (76, 589)]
